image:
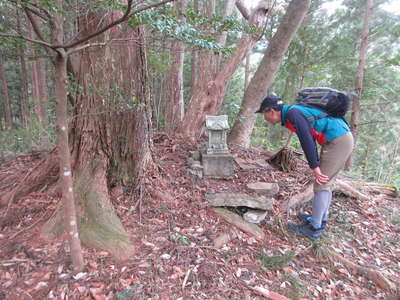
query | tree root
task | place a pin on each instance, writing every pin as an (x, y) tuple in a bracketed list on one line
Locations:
[(41, 176)]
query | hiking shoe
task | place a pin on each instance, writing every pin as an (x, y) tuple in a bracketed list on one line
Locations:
[(306, 218), (306, 230)]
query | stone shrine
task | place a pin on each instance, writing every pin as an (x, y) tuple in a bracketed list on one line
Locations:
[(217, 162)]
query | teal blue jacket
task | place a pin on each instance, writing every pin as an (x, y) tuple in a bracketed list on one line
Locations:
[(323, 130)]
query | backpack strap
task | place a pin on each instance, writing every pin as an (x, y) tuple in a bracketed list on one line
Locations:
[(315, 118)]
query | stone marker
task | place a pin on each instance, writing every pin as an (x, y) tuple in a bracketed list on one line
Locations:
[(228, 199), (264, 188), (217, 161), (217, 128)]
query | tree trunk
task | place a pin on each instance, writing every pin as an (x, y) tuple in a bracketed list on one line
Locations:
[(355, 114), (195, 56), (247, 71), (265, 74), (211, 85), (24, 103), (6, 99), (110, 133), (174, 106), (69, 211), (39, 94), (24, 92)]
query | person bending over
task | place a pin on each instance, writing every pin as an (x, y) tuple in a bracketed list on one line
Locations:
[(333, 134)]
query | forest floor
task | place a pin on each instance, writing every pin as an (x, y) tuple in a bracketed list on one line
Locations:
[(173, 232)]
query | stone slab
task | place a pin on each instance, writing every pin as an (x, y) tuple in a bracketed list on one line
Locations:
[(218, 165), (230, 199), (264, 188)]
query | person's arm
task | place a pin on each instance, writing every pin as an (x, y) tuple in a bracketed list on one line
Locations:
[(303, 131)]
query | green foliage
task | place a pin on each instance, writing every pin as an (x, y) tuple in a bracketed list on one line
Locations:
[(197, 31), (296, 289), (268, 261), (325, 53), (21, 140)]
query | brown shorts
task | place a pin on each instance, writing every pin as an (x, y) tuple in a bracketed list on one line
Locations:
[(334, 155)]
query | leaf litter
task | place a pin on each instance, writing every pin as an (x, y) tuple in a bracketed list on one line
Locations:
[(173, 232)]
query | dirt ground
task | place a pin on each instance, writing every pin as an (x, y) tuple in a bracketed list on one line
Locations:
[(173, 232)]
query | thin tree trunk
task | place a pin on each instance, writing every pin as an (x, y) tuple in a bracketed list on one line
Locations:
[(6, 99), (174, 108), (24, 92), (355, 114), (38, 86), (24, 103), (195, 56), (70, 219), (265, 74)]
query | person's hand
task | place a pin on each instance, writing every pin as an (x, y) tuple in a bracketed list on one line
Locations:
[(319, 177)]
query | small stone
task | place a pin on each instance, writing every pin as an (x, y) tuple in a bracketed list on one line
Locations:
[(165, 256), (80, 275), (255, 216)]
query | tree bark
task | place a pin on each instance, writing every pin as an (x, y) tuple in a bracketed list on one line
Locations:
[(355, 113), (39, 86), (211, 84), (110, 132), (6, 99), (265, 74), (174, 106), (24, 103)]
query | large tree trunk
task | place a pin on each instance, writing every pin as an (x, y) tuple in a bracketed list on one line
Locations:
[(208, 94), (265, 74), (109, 133), (174, 104), (6, 99), (355, 113)]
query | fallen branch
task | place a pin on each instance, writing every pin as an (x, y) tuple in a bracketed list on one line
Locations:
[(368, 272), (348, 190), (240, 223), (268, 294)]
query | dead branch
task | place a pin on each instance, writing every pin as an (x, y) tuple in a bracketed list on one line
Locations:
[(240, 223), (348, 190), (268, 294)]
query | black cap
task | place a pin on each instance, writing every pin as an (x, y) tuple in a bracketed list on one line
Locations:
[(271, 101)]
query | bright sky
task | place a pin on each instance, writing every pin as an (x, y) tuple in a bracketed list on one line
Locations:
[(392, 6)]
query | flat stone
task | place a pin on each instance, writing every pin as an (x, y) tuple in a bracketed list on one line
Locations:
[(264, 188), (249, 164), (229, 199), (218, 165)]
